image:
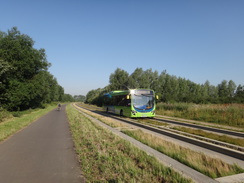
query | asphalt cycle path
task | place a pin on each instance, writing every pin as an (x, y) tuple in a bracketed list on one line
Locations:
[(43, 152)]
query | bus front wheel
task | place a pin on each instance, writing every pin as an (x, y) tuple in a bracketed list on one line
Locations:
[(121, 113)]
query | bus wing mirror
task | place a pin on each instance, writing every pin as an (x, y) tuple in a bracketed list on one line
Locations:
[(157, 97)]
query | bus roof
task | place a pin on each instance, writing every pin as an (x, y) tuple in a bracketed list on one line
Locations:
[(119, 92), (122, 92)]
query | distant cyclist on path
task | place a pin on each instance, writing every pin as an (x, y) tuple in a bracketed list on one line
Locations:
[(59, 107)]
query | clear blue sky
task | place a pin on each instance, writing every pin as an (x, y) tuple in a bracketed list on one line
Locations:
[(86, 40)]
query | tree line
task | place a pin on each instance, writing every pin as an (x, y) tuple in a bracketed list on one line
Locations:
[(25, 81), (169, 88)]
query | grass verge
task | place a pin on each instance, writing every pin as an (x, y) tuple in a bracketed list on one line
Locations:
[(202, 133), (15, 124), (209, 166), (104, 157), (223, 138)]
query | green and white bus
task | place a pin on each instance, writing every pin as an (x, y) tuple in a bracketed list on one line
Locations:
[(131, 103)]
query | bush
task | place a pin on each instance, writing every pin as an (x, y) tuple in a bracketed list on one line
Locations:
[(4, 114), (174, 106)]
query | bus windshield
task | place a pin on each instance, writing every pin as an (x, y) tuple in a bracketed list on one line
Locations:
[(143, 102)]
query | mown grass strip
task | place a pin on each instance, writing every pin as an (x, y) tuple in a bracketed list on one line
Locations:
[(104, 157), (11, 126), (197, 132), (209, 166), (223, 138)]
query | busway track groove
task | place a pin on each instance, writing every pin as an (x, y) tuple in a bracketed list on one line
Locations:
[(235, 147), (217, 148), (222, 131)]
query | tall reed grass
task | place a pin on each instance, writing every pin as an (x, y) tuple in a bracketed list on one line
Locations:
[(225, 114)]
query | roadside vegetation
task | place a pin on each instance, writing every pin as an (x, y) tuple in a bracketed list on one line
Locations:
[(223, 114), (26, 85), (207, 165), (104, 157), (223, 138), (4, 115), (25, 82), (13, 122), (202, 133)]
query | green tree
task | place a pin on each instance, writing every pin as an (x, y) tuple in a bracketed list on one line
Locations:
[(61, 93), (183, 90), (4, 68), (195, 93), (17, 49), (80, 98), (239, 95), (150, 79), (118, 80), (226, 91), (231, 88), (91, 96), (205, 92), (68, 98), (169, 88), (135, 80), (143, 79), (96, 96), (161, 86), (24, 79), (223, 91)]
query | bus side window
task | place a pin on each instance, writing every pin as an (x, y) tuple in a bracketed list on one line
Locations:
[(128, 102), (122, 101)]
